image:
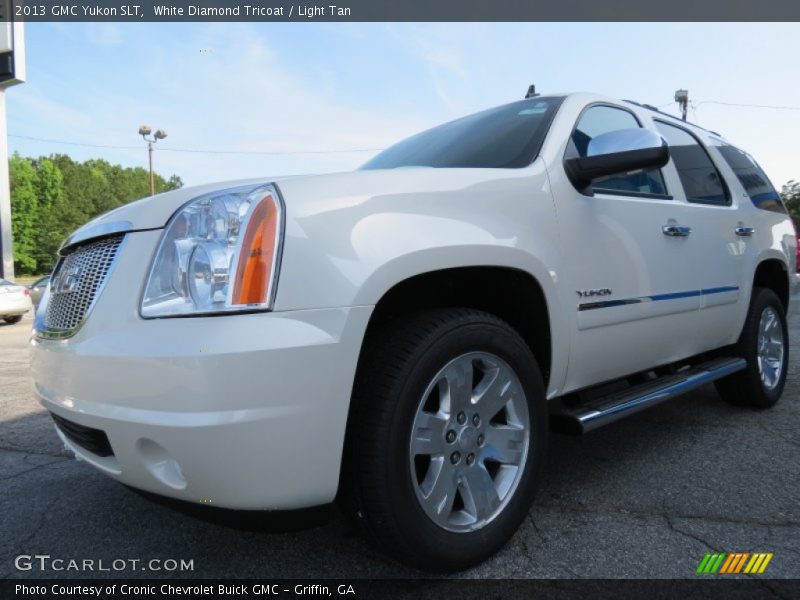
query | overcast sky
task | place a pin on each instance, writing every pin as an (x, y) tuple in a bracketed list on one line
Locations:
[(317, 86)]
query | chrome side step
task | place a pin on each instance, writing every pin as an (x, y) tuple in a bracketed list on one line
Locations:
[(607, 409)]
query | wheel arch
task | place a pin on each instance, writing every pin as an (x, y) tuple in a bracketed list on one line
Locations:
[(773, 274), (511, 294)]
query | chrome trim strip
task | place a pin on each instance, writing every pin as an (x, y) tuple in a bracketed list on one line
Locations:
[(95, 231)]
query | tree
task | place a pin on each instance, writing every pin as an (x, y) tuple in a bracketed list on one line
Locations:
[(53, 196), (791, 198), (53, 218), (24, 208)]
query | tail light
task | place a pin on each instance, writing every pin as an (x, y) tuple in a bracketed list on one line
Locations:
[(797, 253)]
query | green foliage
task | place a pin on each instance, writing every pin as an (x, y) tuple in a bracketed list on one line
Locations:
[(24, 208), (791, 198), (52, 196)]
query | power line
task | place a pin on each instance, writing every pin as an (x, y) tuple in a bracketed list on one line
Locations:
[(769, 106), (195, 150), (269, 152), (35, 139)]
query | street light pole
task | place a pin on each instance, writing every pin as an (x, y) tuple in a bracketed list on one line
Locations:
[(682, 98), (150, 161), (160, 134)]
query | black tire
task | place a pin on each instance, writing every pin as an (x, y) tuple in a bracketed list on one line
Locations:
[(12, 320), (377, 491), (746, 388)]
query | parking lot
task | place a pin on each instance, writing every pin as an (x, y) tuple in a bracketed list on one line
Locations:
[(647, 497)]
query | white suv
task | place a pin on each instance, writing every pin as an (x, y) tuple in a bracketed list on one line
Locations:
[(403, 336)]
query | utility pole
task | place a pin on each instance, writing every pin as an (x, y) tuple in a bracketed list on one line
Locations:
[(160, 134), (682, 98), (12, 72)]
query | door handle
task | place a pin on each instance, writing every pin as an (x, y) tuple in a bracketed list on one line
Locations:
[(676, 230), (743, 231)]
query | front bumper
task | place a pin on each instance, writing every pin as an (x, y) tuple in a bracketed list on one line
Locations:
[(238, 411)]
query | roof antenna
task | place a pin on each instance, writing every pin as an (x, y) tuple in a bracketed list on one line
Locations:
[(531, 92)]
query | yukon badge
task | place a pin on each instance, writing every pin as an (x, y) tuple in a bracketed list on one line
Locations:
[(594, 292)]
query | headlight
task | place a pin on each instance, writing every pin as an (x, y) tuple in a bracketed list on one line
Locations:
[(219, 253)]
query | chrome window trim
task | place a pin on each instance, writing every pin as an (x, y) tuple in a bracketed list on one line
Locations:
[(86, 234)]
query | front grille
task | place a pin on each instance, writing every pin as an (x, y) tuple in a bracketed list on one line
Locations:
[(76, 283), (93, 440)]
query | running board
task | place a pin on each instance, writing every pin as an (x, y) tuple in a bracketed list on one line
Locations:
[(607, 409)]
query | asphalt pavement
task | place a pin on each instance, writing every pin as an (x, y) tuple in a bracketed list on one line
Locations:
[(647, 497)]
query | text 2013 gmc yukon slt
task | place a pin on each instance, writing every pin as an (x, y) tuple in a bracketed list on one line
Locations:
[(401, 337)]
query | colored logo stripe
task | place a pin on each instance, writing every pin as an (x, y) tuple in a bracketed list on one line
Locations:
[(734, 562), (657, 297)]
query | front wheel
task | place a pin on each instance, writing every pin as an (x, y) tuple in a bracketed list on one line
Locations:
[(764, 344), (446, 438)]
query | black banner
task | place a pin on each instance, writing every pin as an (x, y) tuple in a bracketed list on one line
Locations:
[(422, 589), (402, 10)]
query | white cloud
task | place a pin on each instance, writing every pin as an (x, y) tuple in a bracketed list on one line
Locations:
[(104, 34)]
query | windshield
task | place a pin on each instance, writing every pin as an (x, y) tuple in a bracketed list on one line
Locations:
[(505, 137)]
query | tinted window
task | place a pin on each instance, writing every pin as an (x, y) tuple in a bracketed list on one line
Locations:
[(700, 179), (752, 177), (504, 137), (602, 119)]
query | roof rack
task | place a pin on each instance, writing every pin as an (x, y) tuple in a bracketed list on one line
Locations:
[(660, 112)]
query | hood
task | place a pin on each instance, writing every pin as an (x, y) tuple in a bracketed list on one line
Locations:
[(301, 194)]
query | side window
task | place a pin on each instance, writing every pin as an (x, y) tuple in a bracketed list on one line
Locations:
[(701, 181), (752, 177), (599, 119)]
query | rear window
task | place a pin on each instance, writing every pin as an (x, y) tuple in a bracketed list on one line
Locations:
[(752, 177), (699, 177), (504, 137)]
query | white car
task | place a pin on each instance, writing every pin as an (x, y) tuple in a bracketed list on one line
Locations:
[(15, 301), (400, 336)]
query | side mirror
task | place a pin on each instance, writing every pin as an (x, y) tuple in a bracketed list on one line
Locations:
[(617, 152)]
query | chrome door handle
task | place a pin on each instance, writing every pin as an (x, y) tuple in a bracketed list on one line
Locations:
[(676, 230), (744, 231)]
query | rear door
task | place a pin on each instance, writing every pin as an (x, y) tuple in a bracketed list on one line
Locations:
[(715, 217)]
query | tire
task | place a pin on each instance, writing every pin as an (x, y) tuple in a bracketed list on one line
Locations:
[(12, 320), (748, 387), (383, 481)]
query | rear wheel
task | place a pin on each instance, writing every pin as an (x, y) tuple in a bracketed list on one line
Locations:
[(12, 320), (764, 345), (446, 438)]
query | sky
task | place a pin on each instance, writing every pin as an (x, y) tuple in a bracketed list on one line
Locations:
[(293, 98)]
